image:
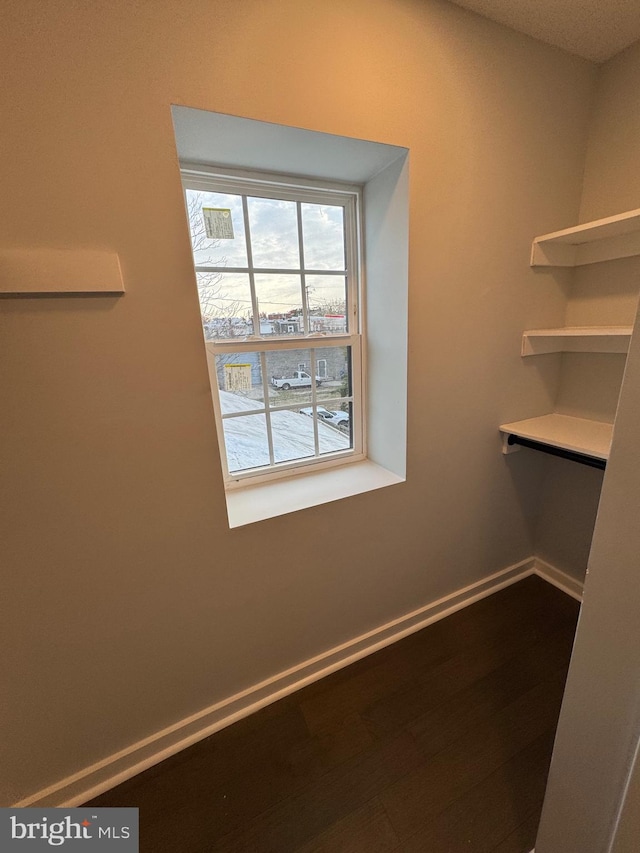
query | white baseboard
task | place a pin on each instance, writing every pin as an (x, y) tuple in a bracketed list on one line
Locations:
[(111, 771), (558, 578)]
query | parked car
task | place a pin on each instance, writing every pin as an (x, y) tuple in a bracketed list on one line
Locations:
[(337, 419), (300, 379)]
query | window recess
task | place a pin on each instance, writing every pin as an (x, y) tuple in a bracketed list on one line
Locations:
[(210, 143)]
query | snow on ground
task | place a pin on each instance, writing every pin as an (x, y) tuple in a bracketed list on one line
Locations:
[(246, 437)]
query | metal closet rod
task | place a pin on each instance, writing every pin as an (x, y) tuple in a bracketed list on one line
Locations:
[(582, 458)]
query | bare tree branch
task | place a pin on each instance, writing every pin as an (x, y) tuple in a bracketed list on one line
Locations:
[(222, 316)]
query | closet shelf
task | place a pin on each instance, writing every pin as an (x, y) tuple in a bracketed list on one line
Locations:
[(577, 339), (602, 240), (575, 435)]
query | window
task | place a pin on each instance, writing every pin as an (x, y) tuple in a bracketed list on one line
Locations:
[(277, 271)]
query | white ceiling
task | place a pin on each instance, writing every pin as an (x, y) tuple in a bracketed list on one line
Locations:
[(593, 29)]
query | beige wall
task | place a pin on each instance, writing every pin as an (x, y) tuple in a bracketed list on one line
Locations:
[(568, 504), (628, 830), (130, 603), (599, 724), (612, 177)]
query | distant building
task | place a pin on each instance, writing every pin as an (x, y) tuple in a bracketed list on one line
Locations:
[(328, 323), (331, 362)]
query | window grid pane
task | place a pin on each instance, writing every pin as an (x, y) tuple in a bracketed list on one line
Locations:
[(282, 312), (282, 432)]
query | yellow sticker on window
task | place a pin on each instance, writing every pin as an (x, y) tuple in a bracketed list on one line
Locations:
[(218, 223), (237, 377)]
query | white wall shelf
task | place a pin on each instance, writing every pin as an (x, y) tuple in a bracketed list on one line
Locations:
[(579, 439), (602, 240), (576, 435), (59, 271), (613, 339)]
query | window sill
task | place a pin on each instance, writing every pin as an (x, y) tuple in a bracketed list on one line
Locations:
[(268, 500)]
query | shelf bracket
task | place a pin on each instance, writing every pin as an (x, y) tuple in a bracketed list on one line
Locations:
[(507, 445)]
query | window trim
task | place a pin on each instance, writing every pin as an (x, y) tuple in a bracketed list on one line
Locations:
[(349, 196)]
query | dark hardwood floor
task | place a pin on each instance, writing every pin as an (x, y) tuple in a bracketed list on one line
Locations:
[(438, 744)]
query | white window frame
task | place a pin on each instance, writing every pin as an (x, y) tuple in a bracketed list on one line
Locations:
[(301, 190)]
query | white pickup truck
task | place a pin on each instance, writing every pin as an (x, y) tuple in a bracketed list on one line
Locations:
[(300, 379)]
